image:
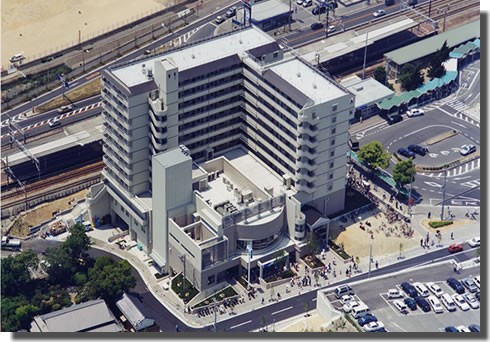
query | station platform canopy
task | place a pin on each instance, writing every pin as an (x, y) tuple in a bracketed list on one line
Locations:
[(353, 40)]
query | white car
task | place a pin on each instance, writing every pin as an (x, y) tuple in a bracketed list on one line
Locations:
[(379, 13), (307, 3), (415, 112), (435, 289), (219, 19), (477, 281), (475, 242), (467, 149), (373, 326), (299, 2), (394, 293), (435, 303), (331, 28), (347, 307), (400, 306), (460, 302), (345, 299), (471, 300), (462, 328)]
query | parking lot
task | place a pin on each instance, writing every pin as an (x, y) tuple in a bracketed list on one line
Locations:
[(374, 294)]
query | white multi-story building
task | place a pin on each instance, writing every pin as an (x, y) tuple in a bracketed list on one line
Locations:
[(239, 90)]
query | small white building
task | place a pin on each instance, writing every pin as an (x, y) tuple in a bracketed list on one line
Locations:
[(131, 311)]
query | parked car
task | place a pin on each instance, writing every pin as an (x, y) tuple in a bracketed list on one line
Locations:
[(64, 109), (474, 328), (379, 13), (343, 290), (461, 302), (219, 19), (366, 319), (316, 26), (472, 301), (435, 289), (467, 149), (418, 149), (347, 307), (422, 303), (347, 299), (394, 293), (373, 326), (455, 285), (477, 295), (299, 2), (400, 305), (409, 289), (421, 289), (331, 28), (392, 119), (462, 328), (405, 152), (411, 303), (455, 247), (475, 242), (435, 304), (231, 12), (469, 283), (448, 302), (451, 329), (307, 3), (477, 281), (415, 112), (319, 10)]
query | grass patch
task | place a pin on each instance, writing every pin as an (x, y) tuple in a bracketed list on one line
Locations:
[(279, 276), (178, 287), (312, 261), (438, 224), (88, 90), (339, 250), (227, 292)]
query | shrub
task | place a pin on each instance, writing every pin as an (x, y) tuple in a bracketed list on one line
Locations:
[(437, 224), (177, 286), (80, 278), (56, 306)]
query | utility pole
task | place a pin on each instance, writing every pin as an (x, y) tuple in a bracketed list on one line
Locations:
[(249, 253), (430, 6), (410, 192), (443, 193), (370, 257), (183, 281), (290, 14), (215, 315), (365, 57)]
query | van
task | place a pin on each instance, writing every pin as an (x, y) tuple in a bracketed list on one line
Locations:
[(435, 304), (354, 144), (360, 311), (87, 225), (448, 302), (421, 289), (343, 290)]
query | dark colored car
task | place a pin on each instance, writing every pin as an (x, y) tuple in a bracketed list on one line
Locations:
[(411, 303), (455, 285), (409, 289), (422, 303), (316, 26), (474, 328), (412, 2), (477, 295), (405, 152), (392, 119), (451, 329), (454, 248), (366, 319), (317, 10), (418, 149)]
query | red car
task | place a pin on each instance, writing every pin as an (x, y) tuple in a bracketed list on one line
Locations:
[(454, 248)]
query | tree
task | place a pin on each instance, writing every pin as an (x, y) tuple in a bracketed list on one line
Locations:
[(77, 243), (436, 67), (404, 172), (380, 75), (24, 315), (410, 77), (374, 156), (60, 266), (110, 279), (15, 271)]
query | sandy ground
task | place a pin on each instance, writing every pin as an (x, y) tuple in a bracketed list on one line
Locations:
[(357, 241), (315, 323), (40, 27)]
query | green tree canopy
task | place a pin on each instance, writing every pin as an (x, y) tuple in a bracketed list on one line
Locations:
[(403, 172), (15, 272), (110, 278), (410, 77), (60, 265), (373, 155), (380, 75), (436, 68), (77, 243)]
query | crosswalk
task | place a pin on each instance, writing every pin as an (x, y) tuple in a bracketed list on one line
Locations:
[(184, 38), (472, 183), (454, 104), (16, 119), (457, 171)]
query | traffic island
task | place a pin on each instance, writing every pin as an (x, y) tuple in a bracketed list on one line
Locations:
[(441, 137), (443, 225)]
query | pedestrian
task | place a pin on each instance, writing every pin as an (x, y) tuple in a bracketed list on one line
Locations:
[(428, 215), (377, 265), (422, 242), (452, 236)]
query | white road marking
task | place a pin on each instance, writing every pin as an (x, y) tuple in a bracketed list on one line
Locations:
[(239, 325), (396, 325), (286, 309), (456, 123)]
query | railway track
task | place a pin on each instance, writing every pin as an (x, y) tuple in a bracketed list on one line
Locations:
[(63, 180)]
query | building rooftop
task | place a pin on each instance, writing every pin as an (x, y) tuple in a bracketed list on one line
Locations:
[(352, 40), (196, 54), (131, 311), (90, 316), (367, 91), (307, 80), (427, 46), (268, 9)]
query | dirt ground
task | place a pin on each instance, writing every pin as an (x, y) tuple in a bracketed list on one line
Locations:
[(315, 323), (42, 213), (40, 27), (357, 242)]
